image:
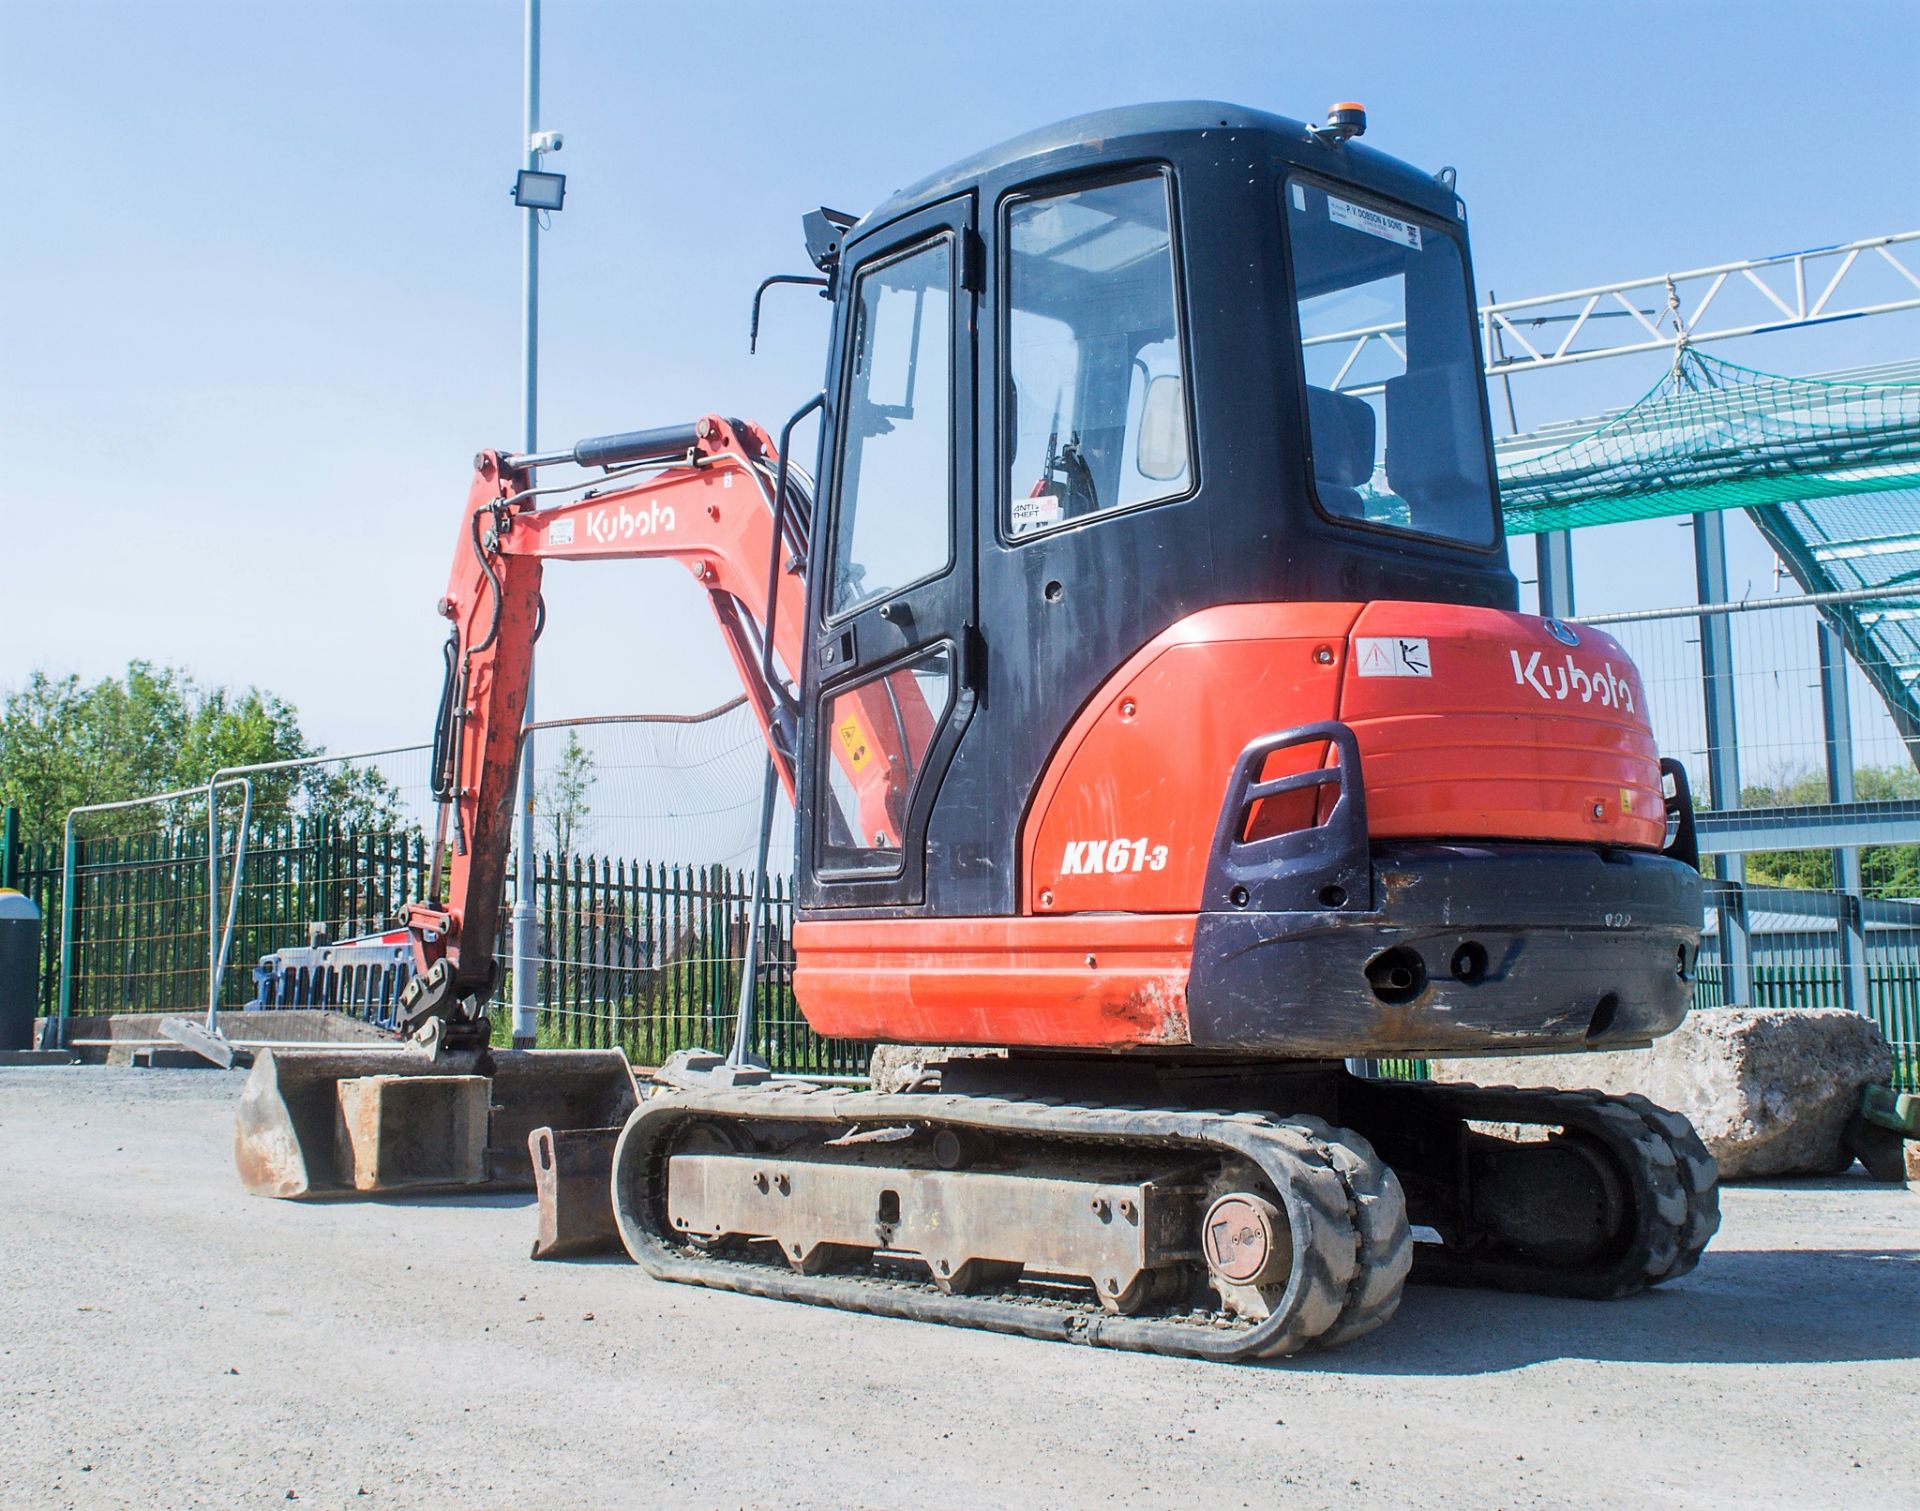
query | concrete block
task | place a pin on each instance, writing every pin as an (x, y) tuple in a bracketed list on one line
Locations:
[(1770, 1090), (12, 1057), (391, 1132), (167, 1057)]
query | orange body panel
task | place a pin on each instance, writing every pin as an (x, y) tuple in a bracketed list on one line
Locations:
[(1472, 724), (1510, 734), (1091, 981), (1145, 765), (1515, 736)]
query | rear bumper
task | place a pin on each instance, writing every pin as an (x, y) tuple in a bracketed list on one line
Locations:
[(1315, 943), (1504, 949)]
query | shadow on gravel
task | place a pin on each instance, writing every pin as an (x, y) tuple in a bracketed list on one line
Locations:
[(1799, 1306), (320, 1200)]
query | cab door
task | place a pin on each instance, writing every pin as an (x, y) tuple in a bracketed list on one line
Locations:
[(891, 675)]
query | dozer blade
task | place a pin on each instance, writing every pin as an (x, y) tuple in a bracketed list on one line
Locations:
[(315, 1122), (572, 1177)]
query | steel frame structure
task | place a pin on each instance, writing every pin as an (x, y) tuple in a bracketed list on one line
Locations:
[(1815, 286)]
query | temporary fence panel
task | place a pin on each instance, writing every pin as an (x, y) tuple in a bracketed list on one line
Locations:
[(307, 880), (130, 903), (333, 845), (138, 924)]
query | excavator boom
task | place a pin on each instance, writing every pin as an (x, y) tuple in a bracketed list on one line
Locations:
[(706, 500)]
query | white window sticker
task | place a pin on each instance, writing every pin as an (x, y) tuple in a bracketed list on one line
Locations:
[(1391, 656), (560, 533), (1032, 513), (1373, 223), (1299, 198)]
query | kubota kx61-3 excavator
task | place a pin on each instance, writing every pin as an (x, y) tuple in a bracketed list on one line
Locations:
[(1146, 676)]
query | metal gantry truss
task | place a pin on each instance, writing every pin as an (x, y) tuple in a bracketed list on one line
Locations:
[(1817, 286), (1877, 275)]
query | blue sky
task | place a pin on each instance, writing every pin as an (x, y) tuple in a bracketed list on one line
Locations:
[(260, 274)]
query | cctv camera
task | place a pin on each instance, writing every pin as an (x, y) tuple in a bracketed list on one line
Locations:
[(548, 141)]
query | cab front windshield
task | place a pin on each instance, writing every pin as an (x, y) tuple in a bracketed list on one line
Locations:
[(1394, 413)]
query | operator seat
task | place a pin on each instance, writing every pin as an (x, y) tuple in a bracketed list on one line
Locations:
[(1342, 435)]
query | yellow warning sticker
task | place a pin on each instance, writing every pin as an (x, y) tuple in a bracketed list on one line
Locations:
[(853, 737), (1626, 800)]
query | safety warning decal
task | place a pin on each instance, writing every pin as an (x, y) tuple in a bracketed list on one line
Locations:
[(854, 740), (1391, 656), (560, 533), (1373, 222)]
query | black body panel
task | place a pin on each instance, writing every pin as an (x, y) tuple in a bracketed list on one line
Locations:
[(1056, 614)]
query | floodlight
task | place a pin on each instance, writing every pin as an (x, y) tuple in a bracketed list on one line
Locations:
[(539, 191)]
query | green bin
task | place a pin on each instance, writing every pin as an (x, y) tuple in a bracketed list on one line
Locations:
[(19, 968)]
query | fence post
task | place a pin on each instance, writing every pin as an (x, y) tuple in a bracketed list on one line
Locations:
[(1837, 716), (67, 869), (1723, 741), (10, 847)]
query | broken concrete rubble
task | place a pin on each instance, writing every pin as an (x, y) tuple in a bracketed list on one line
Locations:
[(1770, 1090)]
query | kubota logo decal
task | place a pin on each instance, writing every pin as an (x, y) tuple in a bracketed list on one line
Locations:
[(1106, 857), (606, 526), (1559, 681)]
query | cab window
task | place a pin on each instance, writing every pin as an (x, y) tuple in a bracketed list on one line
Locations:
[(1094, 403), (1395, 414), (895, 521)]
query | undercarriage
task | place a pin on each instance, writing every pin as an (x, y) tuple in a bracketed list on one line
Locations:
[(1282, 1216)]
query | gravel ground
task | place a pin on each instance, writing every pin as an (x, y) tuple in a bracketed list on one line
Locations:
[(171, 1342)]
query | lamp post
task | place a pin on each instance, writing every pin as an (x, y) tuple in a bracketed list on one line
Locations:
[(535, 192)]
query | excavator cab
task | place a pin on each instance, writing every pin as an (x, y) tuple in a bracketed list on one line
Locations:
[(1147, 676), (1153, 443)]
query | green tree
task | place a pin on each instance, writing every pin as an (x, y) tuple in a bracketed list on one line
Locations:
[(64, 743), (563, 796), (356, 797)]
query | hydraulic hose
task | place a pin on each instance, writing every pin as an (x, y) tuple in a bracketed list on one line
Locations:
[(493, 581), (443, 734)]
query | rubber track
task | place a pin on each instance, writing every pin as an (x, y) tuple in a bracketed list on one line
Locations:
[(1343, 1205), (1673, 1186), (1380, 1215), (1699, 1174)]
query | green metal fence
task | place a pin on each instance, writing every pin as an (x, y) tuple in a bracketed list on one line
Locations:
[(36, 872), (647, 958), (641, 956)]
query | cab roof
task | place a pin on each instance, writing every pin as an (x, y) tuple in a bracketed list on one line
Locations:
[(1171, 130)]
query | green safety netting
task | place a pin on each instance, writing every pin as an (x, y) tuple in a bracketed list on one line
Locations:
[(1714, 435), (1827, 468)]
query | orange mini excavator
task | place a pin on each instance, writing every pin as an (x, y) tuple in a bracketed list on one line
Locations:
[(1146, 675)]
